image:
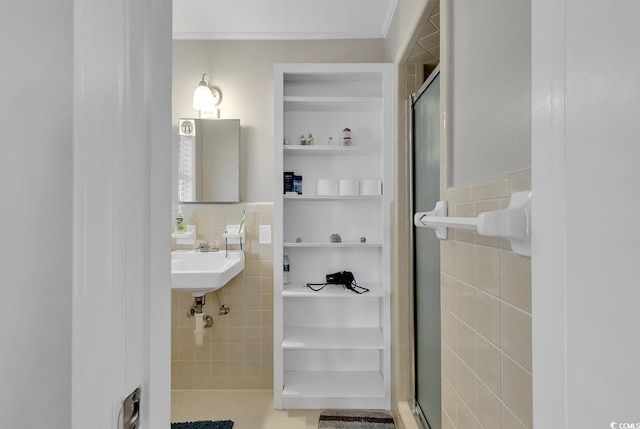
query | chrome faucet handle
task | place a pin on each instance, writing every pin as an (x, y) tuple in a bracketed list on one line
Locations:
[(203, 246)]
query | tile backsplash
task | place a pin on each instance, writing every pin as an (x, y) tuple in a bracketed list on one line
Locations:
[(237, 352)]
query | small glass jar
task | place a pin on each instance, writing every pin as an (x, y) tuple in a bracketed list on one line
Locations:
[(346, 137)]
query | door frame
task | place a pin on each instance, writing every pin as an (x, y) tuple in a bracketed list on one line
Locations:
[(584, 152), (548, 268)]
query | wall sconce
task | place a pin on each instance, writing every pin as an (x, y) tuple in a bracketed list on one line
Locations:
[(206, 99)]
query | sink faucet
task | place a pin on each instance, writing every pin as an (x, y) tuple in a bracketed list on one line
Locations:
[(206, 247)]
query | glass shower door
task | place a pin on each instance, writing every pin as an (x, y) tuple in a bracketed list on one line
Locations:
[(426, 253)]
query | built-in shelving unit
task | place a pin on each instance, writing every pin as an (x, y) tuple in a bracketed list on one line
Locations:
[(332, 347)]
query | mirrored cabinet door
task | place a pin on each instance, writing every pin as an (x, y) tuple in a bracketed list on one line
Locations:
[(209, 160)]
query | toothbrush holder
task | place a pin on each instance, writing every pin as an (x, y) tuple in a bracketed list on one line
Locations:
[(234, 234)]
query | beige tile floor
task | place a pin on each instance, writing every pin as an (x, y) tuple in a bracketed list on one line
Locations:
[(249, 409)]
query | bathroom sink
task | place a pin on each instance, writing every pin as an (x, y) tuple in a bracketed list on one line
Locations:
[(201, 272)]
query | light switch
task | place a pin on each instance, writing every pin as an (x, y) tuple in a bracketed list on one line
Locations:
[(265, 234)]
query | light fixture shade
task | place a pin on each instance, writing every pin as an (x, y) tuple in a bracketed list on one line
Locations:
[(203, 98)]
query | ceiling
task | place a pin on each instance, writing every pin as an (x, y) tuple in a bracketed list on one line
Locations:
[(281, 19)]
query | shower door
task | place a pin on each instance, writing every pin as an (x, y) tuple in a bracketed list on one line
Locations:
[(426, 253)]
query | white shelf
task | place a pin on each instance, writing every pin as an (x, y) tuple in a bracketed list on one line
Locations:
[(323, 384), (326, 150), (328, 244), (300, 290), (308, 197), (339, 104), (333, 338)]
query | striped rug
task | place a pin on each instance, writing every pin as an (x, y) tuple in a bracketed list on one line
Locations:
[(204, 424), (355, 419)]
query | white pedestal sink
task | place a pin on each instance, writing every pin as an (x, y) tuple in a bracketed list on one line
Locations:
[(202, 272)]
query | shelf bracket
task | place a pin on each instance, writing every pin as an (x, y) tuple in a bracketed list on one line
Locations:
[(513, 223), (188, 237)]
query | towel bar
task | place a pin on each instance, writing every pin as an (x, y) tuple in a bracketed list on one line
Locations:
[(513, 223)]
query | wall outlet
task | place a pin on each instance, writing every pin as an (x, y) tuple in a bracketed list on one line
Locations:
[(265, 234)]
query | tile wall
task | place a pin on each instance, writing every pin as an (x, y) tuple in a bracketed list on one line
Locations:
[(486, 317), (238, 349)]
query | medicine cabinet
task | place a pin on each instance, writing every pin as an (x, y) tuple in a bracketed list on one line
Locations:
[(209, 160)]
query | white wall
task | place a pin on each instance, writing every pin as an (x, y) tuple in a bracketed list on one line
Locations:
[(35, 172), (585, 258), (491, 100), (491, 89), (243, 71)]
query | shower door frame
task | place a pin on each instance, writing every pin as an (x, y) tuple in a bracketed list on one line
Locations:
[(416, 410)]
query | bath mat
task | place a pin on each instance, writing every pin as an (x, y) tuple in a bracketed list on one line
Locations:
[(355, 419), (204, 424)]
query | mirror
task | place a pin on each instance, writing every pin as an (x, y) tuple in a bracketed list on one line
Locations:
[(209, 160)]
